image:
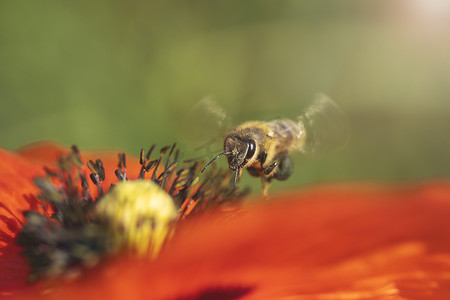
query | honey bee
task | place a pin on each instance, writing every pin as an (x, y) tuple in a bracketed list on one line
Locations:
[(264, 148)]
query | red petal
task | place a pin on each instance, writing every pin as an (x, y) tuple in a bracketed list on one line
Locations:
[(42, 153), (338, 242), (47, 154), (18, 194)]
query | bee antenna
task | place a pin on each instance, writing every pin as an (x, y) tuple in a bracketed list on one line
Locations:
[(212, 160)]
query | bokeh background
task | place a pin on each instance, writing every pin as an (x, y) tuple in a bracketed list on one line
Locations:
[(127, 74)]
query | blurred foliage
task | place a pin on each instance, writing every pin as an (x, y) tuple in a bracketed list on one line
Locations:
[(123, 75)]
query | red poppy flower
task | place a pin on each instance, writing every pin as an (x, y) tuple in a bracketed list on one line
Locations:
[(343, 241)]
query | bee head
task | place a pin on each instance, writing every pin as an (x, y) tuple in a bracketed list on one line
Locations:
[(240, 150)]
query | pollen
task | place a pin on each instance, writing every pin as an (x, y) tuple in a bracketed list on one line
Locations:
[(140, 215)]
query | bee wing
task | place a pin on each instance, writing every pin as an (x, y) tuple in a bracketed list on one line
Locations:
[(207, 123), (209, 108), (326, 126)]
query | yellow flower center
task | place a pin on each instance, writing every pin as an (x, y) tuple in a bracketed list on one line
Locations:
[(140, 215)]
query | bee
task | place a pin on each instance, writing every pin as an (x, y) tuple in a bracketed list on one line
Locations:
[(264, 148)]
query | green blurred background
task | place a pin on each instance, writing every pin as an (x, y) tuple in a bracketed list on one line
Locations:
[(126, 74)]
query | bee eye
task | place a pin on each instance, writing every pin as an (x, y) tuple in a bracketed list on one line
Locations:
[(251, 149)]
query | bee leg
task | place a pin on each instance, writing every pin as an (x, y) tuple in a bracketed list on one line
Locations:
[(280, 169), (285, 168), (265, 183), (269, 169), (266, 177), (253, 172), (262, 157)]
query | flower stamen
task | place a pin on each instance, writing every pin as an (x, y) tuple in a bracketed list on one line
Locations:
[(132, 215)]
